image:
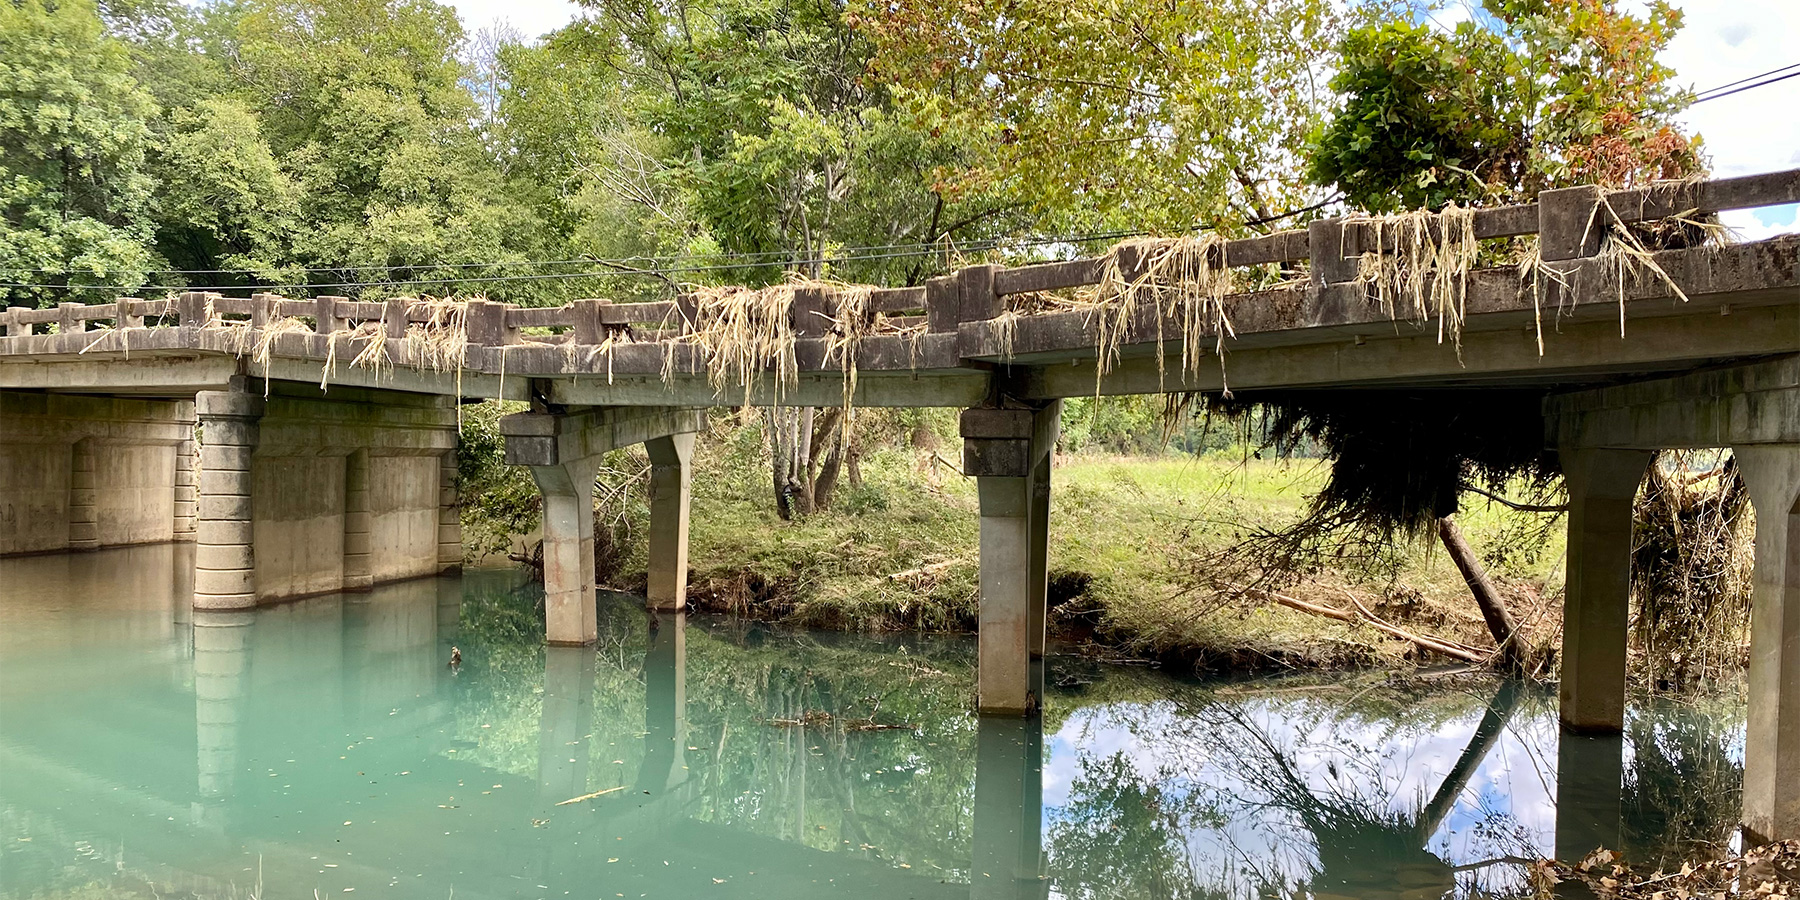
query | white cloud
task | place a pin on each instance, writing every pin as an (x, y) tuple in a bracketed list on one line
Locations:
[(1723, 41)]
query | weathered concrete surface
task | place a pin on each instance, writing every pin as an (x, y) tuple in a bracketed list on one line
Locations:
[(1772, 741), (1003, 449), (303, 494), (563, 449), (671, 491), (88, 472), (1597, 596)]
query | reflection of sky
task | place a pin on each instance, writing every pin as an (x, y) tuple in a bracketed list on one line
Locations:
[(1507, 808)]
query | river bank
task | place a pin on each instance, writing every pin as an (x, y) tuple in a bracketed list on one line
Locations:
[(897, 552)]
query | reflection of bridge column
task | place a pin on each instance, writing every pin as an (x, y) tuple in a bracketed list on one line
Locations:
[(221, 660), (1007, 863), (1602, 486), (1590, 776), (665, 703), (1772, 739), (565, 722), (1008, 452), (449, 609)]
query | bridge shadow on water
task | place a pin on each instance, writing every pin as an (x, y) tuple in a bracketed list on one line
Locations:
[(328, 744)]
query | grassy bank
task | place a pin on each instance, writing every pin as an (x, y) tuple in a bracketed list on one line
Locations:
[(899, 551)]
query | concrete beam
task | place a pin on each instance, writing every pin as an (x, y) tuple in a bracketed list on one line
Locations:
[(1597, 597), (1735, 406), (544, 439), (1772, 740), (1578, 350), (873, 389)]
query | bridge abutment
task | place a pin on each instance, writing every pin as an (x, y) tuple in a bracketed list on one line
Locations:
[(1009, 452), (303, 494), (563, 450)]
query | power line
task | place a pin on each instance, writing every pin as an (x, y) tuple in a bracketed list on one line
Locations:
[(1750, 87), (1742, 80), (900, 251)]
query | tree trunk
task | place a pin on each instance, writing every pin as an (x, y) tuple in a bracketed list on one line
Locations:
[(803, 460), (1493, 608), (780, 460)]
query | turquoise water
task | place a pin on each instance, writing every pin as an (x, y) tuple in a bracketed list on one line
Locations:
[(327, 748)]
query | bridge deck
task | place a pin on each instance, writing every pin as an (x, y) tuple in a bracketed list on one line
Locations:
[(955, 335)]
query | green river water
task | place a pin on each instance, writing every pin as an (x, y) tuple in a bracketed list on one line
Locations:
[(326, 748)]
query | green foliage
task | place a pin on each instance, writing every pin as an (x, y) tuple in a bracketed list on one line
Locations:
[(499, 501), (1136, 115), (1428, 118), (1555, 92), (75, 196)]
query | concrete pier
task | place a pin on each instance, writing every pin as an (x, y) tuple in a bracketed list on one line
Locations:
[(1772, 742), (671, 490), (1605, 435), (563, 448), (1602, 485), (358, 520), (1008, 451), (225, 558)]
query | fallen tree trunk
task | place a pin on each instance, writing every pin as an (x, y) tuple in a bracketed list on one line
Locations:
[(1435, 645), (1493, 607)]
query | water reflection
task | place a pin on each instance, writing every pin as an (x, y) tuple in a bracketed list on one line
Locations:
[(330, 743)]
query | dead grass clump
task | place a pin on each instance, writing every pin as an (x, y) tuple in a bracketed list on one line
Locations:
[(1185, 276), (1418, 265), (740, 333)]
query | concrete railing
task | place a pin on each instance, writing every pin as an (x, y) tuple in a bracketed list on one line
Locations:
[(1562, 219)]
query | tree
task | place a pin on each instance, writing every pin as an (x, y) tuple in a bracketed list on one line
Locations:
[(1549, 93), (75, 195), (1135, 114)]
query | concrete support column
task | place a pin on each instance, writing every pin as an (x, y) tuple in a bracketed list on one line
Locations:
[(1602, 486), (671, 488), (186, 491), (225, 559), (1048, 425), (1772, 740), (568, 490), (359, 522), (1002, 449), (84, 522), (449, 536), (1007, 858)]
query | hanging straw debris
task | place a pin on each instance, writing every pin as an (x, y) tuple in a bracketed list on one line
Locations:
[(740, 332), (853, 319), (1417, 265), (1623, 254), (1188, 276)]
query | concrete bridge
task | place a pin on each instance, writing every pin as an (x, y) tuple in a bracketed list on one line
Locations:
[(327, 424)]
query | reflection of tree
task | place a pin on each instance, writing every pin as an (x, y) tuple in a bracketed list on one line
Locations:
[(1120, 835), (1684, 785)]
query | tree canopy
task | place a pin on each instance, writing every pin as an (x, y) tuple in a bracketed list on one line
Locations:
[(375, 147)]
